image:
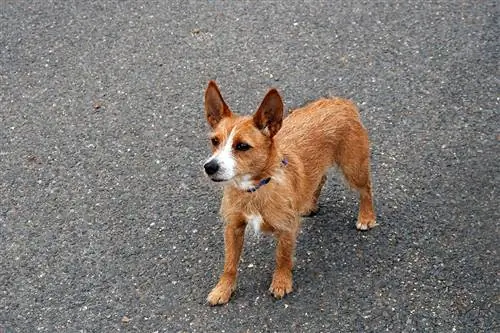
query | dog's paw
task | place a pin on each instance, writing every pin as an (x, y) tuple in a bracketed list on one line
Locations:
[(281, 285), (366, 224), (221, 293)]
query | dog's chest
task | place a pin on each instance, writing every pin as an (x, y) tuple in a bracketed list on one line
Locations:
[(262, 213), (255, 221)]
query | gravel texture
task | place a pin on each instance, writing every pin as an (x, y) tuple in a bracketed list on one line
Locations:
[(107, 223)]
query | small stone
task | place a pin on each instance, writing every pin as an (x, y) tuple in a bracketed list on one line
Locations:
[(97, 106), (125, 320)]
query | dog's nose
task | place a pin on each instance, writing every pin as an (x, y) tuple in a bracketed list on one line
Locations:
[(211, 167)]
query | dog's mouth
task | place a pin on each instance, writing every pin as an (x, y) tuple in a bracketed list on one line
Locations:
[(217, 180)]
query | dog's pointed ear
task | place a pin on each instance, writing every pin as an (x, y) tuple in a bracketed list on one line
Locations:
[(215, 107), (269, 116)]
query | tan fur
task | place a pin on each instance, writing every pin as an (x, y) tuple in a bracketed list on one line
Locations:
[(312, 139)]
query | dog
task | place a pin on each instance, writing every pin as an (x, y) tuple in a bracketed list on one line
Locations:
[(273, 170)]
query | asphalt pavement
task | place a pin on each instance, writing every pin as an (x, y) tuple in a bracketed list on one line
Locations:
[(107, 223)]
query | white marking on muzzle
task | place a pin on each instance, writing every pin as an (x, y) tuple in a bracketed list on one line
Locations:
[(225, 158)]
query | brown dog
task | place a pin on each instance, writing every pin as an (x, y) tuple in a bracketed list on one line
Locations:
[(273, 171)]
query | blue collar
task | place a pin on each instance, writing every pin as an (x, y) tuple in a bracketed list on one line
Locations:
[(262, 182)]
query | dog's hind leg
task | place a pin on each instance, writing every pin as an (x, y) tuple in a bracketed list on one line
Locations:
[(366, 215), (315, 198), (354, 161)]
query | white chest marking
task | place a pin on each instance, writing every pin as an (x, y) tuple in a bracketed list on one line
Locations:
[(255, 221)]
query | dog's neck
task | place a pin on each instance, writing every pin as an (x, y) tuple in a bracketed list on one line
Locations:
[(272, 171)]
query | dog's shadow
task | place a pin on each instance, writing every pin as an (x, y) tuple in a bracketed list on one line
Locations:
[(328, 245)]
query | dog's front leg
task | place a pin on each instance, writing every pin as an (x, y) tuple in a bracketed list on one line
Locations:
[(233, 243), (282, 277)]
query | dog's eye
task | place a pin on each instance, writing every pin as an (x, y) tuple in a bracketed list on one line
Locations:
[(215, 142), (242, 146)]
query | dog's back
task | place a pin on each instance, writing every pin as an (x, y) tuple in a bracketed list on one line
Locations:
[(322, 134), (320, 125)]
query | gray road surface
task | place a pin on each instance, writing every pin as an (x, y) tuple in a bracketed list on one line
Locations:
[(108, 225)]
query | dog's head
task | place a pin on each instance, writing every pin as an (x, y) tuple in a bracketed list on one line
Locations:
[(242, 145)]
